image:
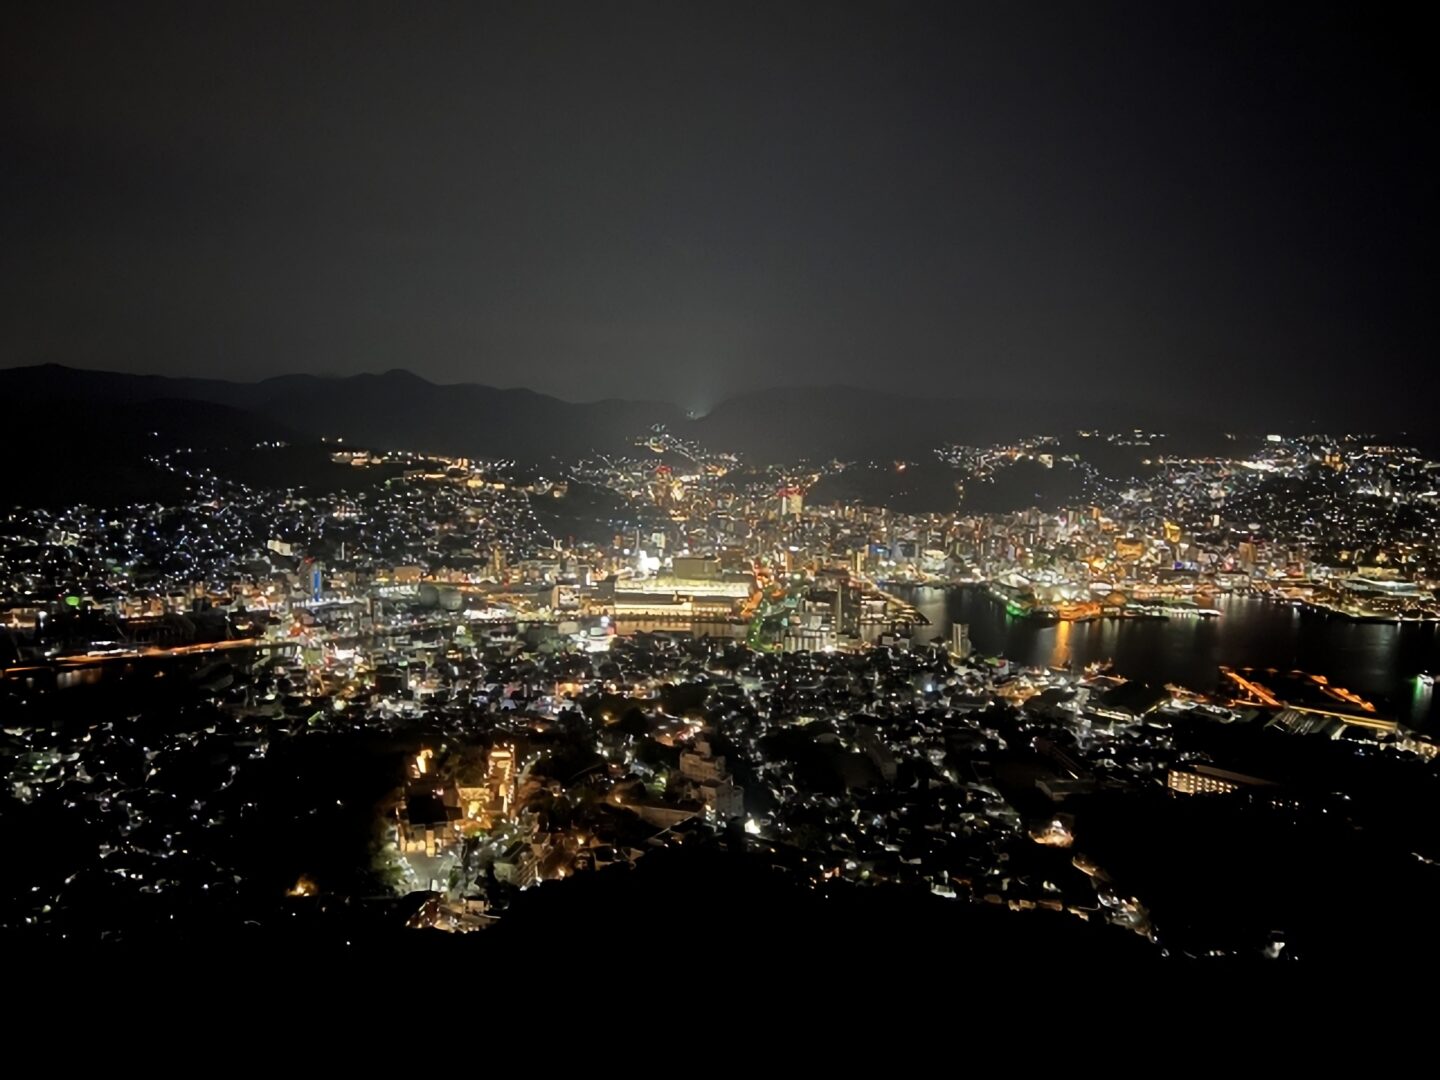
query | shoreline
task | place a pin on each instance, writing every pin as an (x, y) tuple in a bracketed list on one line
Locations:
[(1180, 609)]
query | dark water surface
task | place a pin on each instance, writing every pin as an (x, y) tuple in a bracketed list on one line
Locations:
[(1377, 660)]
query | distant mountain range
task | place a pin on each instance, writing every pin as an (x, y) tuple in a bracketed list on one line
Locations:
[(396, 410), (400, 410)]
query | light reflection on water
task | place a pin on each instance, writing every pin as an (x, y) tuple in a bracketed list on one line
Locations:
[(1377, 660)]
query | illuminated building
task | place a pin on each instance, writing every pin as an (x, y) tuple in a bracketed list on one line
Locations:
[(662, 487), (1129, 547), (502, 776), (1208, 780), (960, 640), (691, 568), (711, 783)]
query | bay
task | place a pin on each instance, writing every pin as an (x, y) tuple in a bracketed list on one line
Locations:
[(1377, 660)]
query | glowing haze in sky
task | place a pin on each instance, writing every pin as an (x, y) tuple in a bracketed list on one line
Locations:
[(683, 201)]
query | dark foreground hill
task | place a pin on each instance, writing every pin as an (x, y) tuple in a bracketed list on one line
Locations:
[(745, 916)]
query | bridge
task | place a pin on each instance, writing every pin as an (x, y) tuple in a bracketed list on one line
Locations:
[(65, 669)]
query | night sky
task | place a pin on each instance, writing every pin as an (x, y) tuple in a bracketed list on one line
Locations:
[(684, 200)]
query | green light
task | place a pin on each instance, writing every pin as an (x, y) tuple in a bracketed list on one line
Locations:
[(73, 601)]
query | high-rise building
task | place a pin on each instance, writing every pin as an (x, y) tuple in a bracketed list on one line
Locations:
[(960, 640), (1249, 556)]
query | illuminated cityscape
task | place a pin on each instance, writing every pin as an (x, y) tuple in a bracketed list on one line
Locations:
[(520, 691), (936, 487)]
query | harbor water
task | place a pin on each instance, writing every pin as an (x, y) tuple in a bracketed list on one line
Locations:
[(1378, 660)]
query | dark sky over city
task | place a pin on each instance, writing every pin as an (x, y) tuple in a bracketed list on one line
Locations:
[(682, 200)]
